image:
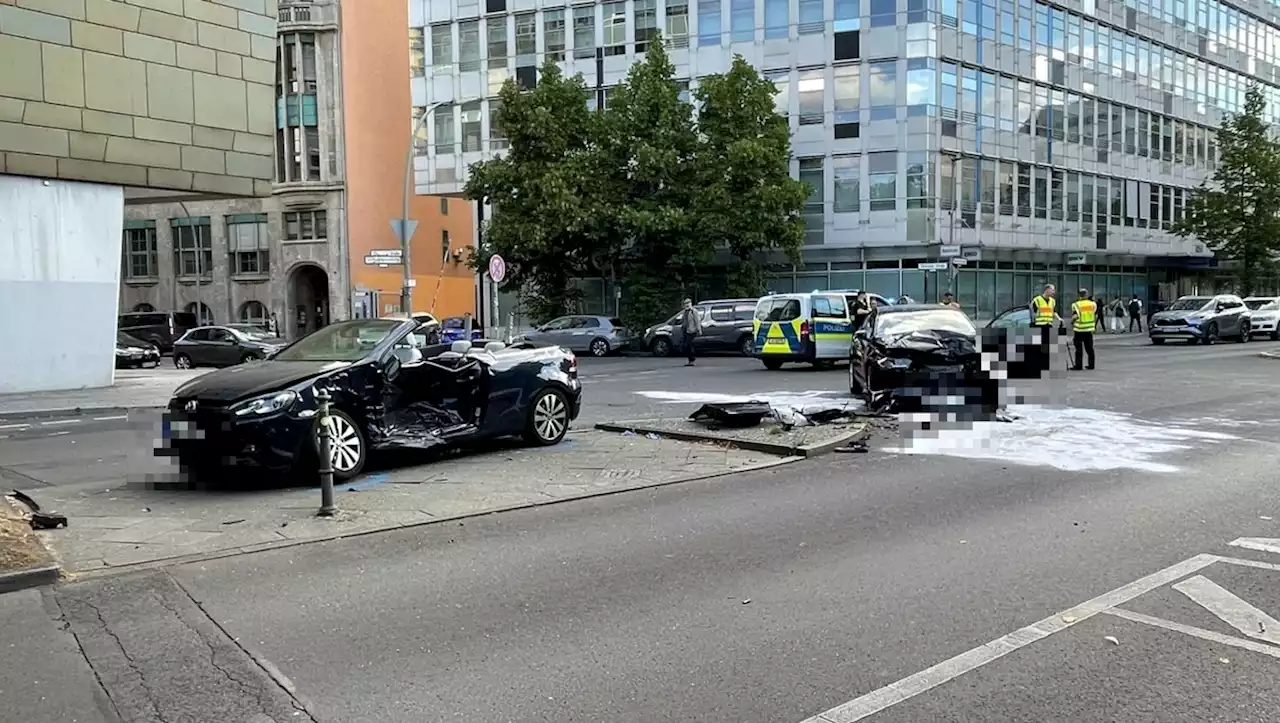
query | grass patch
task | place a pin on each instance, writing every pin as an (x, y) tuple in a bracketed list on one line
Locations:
[(20, 548)]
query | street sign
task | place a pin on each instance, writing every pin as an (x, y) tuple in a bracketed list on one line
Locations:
[(497, 268), (1076, 259), (960, 261), (949, 250), (933, 266), (971, 254), (412, 283), (384, 257), (403, 228)]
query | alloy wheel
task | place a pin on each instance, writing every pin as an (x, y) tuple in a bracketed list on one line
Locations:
[(182, 361), (550, 417), (344, 444), (599, 347)]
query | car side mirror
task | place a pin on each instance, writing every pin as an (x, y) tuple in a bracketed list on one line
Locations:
[(391, 367)]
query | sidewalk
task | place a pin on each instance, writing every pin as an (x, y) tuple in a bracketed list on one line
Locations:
[(112, 525), (134, 389)]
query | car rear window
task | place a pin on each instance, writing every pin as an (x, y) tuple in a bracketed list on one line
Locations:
[(182, 319), (778, 310), (617, 323)]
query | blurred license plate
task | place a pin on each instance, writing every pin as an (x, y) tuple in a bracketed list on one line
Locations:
[(776, 340)]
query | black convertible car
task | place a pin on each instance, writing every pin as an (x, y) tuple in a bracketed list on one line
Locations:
[(390, 390)]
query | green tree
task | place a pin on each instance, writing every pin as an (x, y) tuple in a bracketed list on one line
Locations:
[(1237, 212), (746, 196), (647, 143), (546, 208)]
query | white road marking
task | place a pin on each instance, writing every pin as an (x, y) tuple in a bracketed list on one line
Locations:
[(58, 422), (913, 685), (108, 419), (1261, 544), (14, 426), (1230, 609), (1249, 563), (1196, 632)]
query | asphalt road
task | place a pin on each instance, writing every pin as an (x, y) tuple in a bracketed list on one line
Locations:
[(1048, 578)]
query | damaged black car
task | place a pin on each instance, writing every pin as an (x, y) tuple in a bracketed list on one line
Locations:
[(390, 389), (914, 358)]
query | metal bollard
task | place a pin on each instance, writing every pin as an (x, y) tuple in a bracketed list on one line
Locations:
[(327, 507)]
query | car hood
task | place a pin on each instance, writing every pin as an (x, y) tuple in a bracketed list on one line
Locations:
[(931, 345), (1179, 314), (247, 380)]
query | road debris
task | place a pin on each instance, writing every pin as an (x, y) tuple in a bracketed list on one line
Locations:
[(39, 519), (1112, 639), (1068, 619)]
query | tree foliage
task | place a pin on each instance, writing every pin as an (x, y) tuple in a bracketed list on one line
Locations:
[(1237, 211), (640, 191)]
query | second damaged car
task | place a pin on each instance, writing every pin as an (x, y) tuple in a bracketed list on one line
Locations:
[(916, 358), (390, 389)]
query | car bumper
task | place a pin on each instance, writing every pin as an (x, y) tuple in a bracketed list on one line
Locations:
[(212, 438), (1265, 326), (1175, 332)]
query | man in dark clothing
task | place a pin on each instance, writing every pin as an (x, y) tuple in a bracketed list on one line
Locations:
[(861, 310), (1135, 313), (691, 325)]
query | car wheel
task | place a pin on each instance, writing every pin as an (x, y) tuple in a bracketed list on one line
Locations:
[(599, 348), (1244, 333), (347, 448), (854, 388), (1275, 335), (1157, 342), (182, 361), (772, 364), (747, 345), (248, 358), (1210, 334), (660, 347), (548, 418)]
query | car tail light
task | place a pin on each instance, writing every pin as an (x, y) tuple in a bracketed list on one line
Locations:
[(804, 330)]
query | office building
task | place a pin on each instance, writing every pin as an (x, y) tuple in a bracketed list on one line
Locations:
[(305, 254), (1050, 142)]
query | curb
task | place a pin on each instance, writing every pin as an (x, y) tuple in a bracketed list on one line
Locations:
[(284, 544), (30, 577), (71, 412), (782, 450)]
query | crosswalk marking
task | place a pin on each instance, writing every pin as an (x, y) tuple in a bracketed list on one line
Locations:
[(1261, 544), (1230, 609), (1194, 631)]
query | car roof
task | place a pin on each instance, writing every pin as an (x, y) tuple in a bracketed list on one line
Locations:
[(726, 301), (907, 308)]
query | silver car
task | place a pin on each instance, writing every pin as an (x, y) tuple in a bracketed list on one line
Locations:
[(595, 335), (1203, 319)]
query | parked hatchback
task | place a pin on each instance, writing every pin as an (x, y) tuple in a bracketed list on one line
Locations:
[(223, 346), (160, 328), (596, 335), (726, 326)]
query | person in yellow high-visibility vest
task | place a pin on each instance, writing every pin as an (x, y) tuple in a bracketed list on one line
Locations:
[(1044, 308), (1084, 319)]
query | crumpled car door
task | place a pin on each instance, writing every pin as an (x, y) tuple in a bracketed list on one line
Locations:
[(432, 401)]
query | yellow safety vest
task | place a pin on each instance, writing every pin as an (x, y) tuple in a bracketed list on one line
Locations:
[(1086, 313), (1044, 311)]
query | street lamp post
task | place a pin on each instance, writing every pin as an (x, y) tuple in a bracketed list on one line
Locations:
[(955, 201), (406, 300)]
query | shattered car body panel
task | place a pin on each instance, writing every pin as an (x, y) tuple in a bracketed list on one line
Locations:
[(390, 386)]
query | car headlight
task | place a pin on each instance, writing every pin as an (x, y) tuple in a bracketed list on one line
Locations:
[(268, 404), (891, 363), (121, 352)]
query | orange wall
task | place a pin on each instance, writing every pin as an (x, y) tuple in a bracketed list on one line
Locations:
[(377, 119)]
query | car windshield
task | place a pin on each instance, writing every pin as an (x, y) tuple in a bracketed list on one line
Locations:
[(1194, 303), (928, 320), (124, 339), (344, 341), (250, 332), (1262, 304)]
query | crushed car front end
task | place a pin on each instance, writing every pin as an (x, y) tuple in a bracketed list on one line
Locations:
[(925, 371)]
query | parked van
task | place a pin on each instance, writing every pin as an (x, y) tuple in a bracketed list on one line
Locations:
[(160, 328), (810, 328)]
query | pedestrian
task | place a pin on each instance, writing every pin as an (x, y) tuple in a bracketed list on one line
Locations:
[(691, 325), (1100, 323), (1116, 313), (1084, 319), (949, 301), (1135, 313), (861, 310)]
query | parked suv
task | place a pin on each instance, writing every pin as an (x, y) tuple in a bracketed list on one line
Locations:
[(1203, 319), (161, 328), (726, 326)]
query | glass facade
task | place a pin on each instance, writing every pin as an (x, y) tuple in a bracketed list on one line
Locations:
[(1027, 133)]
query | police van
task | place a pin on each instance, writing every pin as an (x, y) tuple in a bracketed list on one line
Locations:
[(813, 328)]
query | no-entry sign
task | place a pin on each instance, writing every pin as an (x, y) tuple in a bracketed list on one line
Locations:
[(497, 269)]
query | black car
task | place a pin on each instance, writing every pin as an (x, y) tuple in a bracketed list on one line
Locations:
[(389, 389), (131, 352), (161, 328), (223, 346), (919, 357)]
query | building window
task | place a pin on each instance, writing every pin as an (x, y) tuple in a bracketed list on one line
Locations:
[(471, 139), (848, 45), (417, 53), (446, 136), (847, 98), (421, 139), (920, 180), (777, 18), (247, 239), (615, 28), (811, 173), (883, 178), (442, 47), (497, 141), (297, 114), (646, 23), (781, 80), (469, 45), (253, 312), (883, 90), (678, 24), (553, 34), (192, 246), (884, 13), (811, 88), (526, 37), (143, 307), (306, 225), (141, 252), (811, 20), (496, 34), (495, 6), (444, 206), (847, 172), (742, 20), (584, 32), (202, 311), (444, 245), (708, 22)]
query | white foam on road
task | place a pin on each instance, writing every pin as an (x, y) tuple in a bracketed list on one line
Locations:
[(1068, 438)]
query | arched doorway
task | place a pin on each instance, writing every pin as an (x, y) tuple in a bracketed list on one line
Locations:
[(144, 306), (253, 312), (205, 314), (308, 300)]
